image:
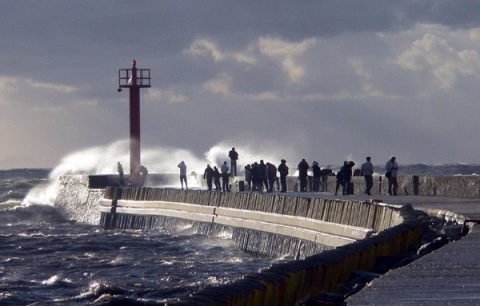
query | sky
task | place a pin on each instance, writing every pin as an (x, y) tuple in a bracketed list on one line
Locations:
[(321, 80)]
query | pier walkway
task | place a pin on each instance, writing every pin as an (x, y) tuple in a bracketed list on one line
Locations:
[(447, 276)]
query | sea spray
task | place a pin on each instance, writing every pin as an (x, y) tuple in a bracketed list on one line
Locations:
[(164, 160)]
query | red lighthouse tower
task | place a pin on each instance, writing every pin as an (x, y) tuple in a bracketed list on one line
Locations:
[(134, 79)]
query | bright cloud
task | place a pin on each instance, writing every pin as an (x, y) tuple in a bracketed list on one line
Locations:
[(221, 85), (205, 47), (435, 54), (286, 53), (51, 87)]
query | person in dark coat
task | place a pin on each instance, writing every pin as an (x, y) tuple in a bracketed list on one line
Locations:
[(216, 176), (248, 176), (283, 170), (121, 179), (317, 173), (303, 174), (392, 170), (263, 174), (339, 178), (143, 175), (347, 176), (208, 175), (233, 161), (256, 179)]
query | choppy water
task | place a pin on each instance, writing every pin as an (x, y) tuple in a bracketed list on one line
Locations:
[(45, 260), (48, 261)]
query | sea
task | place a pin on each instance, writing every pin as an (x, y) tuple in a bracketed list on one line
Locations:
[(46, 260)]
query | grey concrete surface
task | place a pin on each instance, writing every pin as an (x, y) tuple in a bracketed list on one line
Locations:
[(470, 208), (447, 276)]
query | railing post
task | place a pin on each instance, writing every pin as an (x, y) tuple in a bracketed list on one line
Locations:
[(380, 184), (416, 184), (111, 218)]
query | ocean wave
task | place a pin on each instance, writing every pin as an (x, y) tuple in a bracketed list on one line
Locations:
[(10, 204), (12, 195), (32, 213)]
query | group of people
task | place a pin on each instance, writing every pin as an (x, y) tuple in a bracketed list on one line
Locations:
[(213, 175), (319, 176), (264, 175), (258, 175), (344, 176), (142, 172)]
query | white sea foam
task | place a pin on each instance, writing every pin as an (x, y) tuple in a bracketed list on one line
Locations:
[(164, 160), (52, 280)]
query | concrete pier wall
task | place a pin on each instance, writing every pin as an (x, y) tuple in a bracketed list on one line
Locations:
[(317, 268), (443, 186), (375, 216), (258, 223), (293, 282), (77, 201), (467, 187), (311, 225)]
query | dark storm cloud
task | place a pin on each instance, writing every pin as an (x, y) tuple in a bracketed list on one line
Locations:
[(70, 32), (329, 78)]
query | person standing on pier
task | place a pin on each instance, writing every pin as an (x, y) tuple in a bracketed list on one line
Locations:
[(339, 180), (216, 177), (262, 174), (317, 173), (257, 183), (143, 175), (183, 174), (233, 161), (367, 172), (392, 168), (225, 177), (325, 173), (248, 176), (303, 174), (208, 175), (120, 174), (347, 176), (272, 176), (283, 170)]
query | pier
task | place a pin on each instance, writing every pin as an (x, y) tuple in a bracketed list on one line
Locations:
[(375, 226)]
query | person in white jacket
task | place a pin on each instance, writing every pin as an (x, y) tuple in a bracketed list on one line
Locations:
[(392, 169)]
